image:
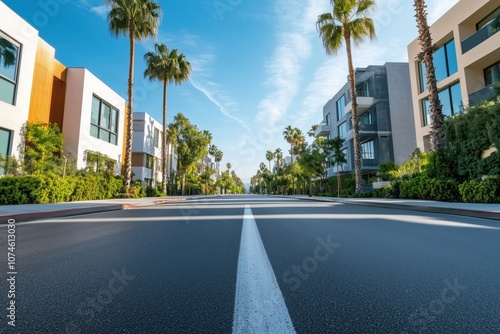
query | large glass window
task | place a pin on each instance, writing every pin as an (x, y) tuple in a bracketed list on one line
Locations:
[(328, 119), (445, 64), (5, 137), (488, 21), (363, 90), (367, 150), (341, 107), (492, 74), (104, 121), (9, 55), (342, 130), (451, 101)]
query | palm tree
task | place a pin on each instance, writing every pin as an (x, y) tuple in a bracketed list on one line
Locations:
[(166, 66), (270, 157), (312, 131), (137, 19), (298, 140), (218, 158), (228, 165), (278, 153), (348, 22), (438, 137), (288, 136)]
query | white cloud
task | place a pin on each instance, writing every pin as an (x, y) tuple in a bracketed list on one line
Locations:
[(101, 11), (295, 28), (200, 80)]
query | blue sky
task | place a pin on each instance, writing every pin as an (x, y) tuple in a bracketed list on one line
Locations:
[(258, 65)]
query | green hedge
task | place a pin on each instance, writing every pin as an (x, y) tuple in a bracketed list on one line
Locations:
[(423, 187), (487, 191), (53, 189)]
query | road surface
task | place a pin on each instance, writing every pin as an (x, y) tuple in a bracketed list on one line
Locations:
[(254, 264)]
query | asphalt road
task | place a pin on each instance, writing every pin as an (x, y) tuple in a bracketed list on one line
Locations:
[(281, 266)]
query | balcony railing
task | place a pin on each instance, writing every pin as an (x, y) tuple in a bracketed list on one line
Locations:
[(483, 94), (478, 37), (364, 103)]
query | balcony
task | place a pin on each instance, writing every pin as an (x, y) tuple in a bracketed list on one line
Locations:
[(483, 94), (323, 130), (478, 37), (364, 103)]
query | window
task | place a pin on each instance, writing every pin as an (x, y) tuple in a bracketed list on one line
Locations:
[(5, 137), (104, 121), (492, 74), (341, 107), (150, 161), (9, 55), (488, 21), (156, 138), (328, 119), (365, 118), (342, 128), (445, 64), (363, 90), (367, 151), (451, 101)]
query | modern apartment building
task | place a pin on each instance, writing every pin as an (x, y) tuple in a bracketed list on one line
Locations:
[(146, 151), (35, 87), (386, 127), (467, 62)]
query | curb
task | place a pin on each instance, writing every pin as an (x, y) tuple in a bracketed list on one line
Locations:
[(29, 216), (448, 211)]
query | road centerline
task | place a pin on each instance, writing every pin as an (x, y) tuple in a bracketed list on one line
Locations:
[(259, 305)]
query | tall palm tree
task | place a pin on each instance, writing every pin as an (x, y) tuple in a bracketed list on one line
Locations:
[(137, 19), (278, 153), (218, 158), (228, 165), (438, 137), (288, 136), (347, 23), (167, 67), (270, 157)]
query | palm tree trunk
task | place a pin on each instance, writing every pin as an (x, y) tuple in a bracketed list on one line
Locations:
[(129, 114), (164, 145), (438, 136), (355, 125)]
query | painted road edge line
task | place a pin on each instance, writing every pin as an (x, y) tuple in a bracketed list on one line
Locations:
[(259, 305)]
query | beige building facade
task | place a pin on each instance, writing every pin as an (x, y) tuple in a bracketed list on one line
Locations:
[(467, 62)]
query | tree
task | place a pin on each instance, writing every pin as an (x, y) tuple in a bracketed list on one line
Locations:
[(348, 23), (167, 67), (191, 146), (41, 148), (288, 135), (270, 157), (438, 136), (334, 146), (312, 161), (278, 153), (137, 19), (228, 165), (312, 131)]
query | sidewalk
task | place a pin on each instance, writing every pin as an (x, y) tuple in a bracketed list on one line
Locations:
[(26, 212), (488, 211)]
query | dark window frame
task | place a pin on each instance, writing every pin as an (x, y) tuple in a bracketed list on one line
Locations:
[(112, 136)]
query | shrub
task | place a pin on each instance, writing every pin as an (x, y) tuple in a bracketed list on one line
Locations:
[(487, 191), (382, 192), (53, 189), (423, 187)]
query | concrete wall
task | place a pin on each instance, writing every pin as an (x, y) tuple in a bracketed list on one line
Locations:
[(81, 85), (12, 117)]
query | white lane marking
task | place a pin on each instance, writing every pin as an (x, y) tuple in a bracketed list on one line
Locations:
[(259, 305)]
